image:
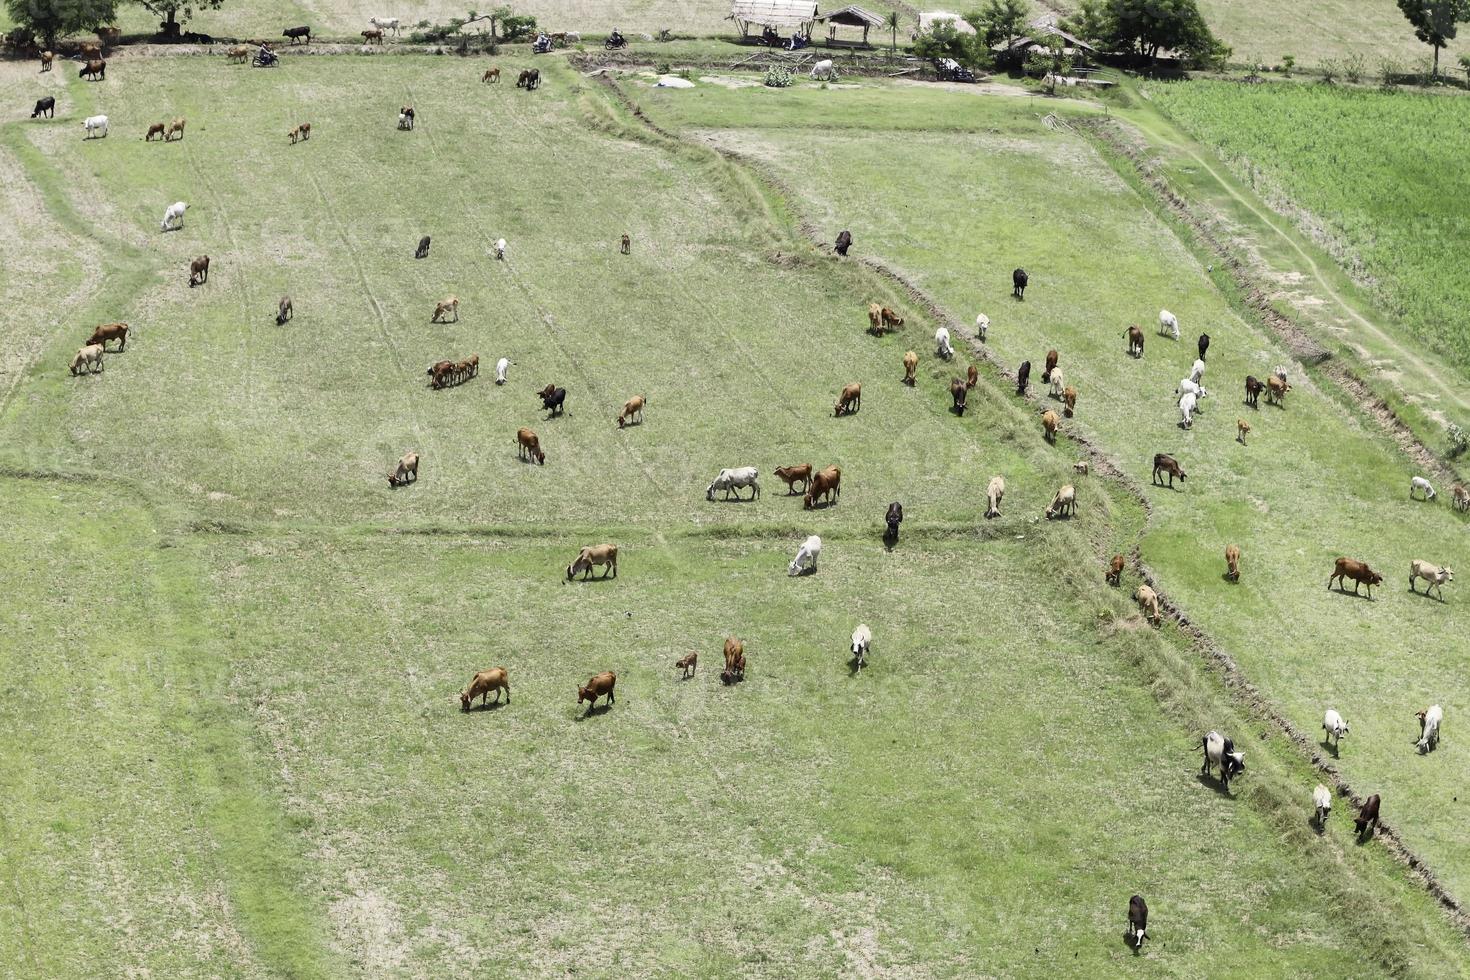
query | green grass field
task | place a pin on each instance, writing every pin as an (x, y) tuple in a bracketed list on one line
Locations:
[(235, 747)]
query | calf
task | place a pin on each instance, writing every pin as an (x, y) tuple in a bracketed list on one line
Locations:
[(732, 480), (1114, 574), (1204, 345), (1242, 429), (1429, 721), (893, 518), (862, 641), (1064, 504), (423, 250), (1367, 822), (1220, 751), (1069, 401), (844, 241), (1135, 341), (632, 408), (1232, 562), (296, 33), (553, 400), (1049, 423), (1051, 365), (1253, 390), (1023, 378), (110, 331), (157, 129), (687, 665), (891, 319), (910, 366), (1018, 284), (500, 246), (1461, 497), (45, 107), (468, 368), (849, 400), (827, 483), (1137, 922), (1164, 463), (602, 554), (600, 685), (372, 37), (407, 470), (199, 271), (625, 246), (1276, 389), (1322, 804), (972, 376), (791, 474), (175, 130), (284, 310), (405, 117), (995, 491), (449, 304), (1333, 729), (491, 75), (958, 391), (1358, 571), (1148, 603), (1423, 486), (239, 53), (1433, 574), (806, 557), (87, 360), (982, 327), (494, 679), (528, 447)]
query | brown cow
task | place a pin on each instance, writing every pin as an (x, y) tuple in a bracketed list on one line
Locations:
[(793, 473), (891, 320), (110, 331), (284, 310), (600, 685), (239, 53), (90, 358), (631, 408), (972, 377), (827, 483), (850, 400), (1049, 423), (1064, 504), (467, 368), (910, 366), (95, 70), (175, 130), (734, 661), (875, 318), (495, 679), (441, 374), (958, 393), (1135, 341), (1242, 429), (47, 57), (407, 470), (1358, 571), (491, 75), (1232, 562), (157, 129), (1115, 570), (1253, 389), (1069, 401), (1148, 602), (1051, 364), (528, 447), (1276, 390), (372, 37), (688, 665), (602, 554), (1164, 463), (625, 246), (450, 304), (199, 271)]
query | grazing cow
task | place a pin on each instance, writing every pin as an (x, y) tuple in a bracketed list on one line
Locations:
[(298, 133), (1333, 728), (982, 327), (528, 447), (501, 366), (1242, 429), (468, 368), (844, 241), (157, 129), (296, 33), (372, 37), (687, 664), (1232, 562), (1081, 467), (1058, 383), (1137, 922), (45, 107), (910, 366), (632, 408), (529, 79), (96, 70), (491, 75), (1322, 804), (407, 470), (1188, 386), (1186, 410), (625, 245), (1064, 504), (385, 24), (1049, 423), (553, 400), (1135, 342), (893, 518), (601, 685), (1164, 463), (824, 70), (1051, 365), (495, 679), (1433, 574), (1423, 486), (1018, 283), (849, 401), (88, 358), (1069, 401), (875, 318), (1114, 574), (995, 491), (96, 127), (791, 474), (1461, 497), (732, 480), (175, 130), (47, 57), (110, 331), (1253, 390), (1168, 324), (405, 117), (806, 557), (958, 392), (1220, 751), (1276, 390), (972, 376), (450, 304), (891, 319), (1367, 822), (826, 483), (1197, 371), (500, 245), (1204, 345), (1148, 603), (238, 53), (942, 346), (1429, 721), (862, 641), (1358, 571), (602, 554), (423, 250), (1023, 378), (441, 374), (284, 310), (734, 661), (199, 271), (173, 215)]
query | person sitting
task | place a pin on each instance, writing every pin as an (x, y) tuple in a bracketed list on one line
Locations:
[(770, 37), (616, 38), (266, 55), (798, 41)]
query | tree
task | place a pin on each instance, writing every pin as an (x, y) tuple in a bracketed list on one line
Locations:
[(893, 28), (1436, 22), (51, 19), (944, 41), (169, 10), (1145, 27), (1000, 20)]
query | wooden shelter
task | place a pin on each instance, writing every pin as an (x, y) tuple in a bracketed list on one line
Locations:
[(928, 18), (777, 15), (851, 16)]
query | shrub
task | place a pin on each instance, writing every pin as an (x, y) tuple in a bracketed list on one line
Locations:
[(1355, 67), (517, 26), (778, 77), (1389, 71), (1288, 64)]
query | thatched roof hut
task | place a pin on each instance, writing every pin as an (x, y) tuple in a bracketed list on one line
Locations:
[(851, 16), (775, 14)]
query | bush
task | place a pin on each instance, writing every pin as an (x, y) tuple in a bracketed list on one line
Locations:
[(663, 67), (1355, 67), (943, 41), (1288, 64), (778, 77), (1330, 70), (1459, 440), (517, 26), (1389, 71)]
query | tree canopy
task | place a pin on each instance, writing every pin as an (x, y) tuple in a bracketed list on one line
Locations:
[(1000, 20), (1146, 27), (1436, 22), (51, 19), (170, 10)]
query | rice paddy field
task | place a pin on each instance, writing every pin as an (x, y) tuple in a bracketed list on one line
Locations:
[(233, 743)]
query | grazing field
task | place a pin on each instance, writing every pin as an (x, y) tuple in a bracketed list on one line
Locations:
[(1311, 484), (235, 746), (1401, 223)]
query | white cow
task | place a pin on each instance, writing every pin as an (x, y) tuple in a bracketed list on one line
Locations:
[(1058, 382), (95, 125), (1433, 574), (982, 326), (1423, 486), (806, 556), (1322, 801), (385, 23), (1197, 372), (825, 70), (500, 367), (1429, 720), (500, 248), (941, 343), (1186, 410), (1334, 727), (1168, 323), (175, 213), (731, 480), (862, 639)]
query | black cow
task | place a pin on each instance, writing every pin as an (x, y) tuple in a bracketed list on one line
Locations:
[(297, 32), (1253, 389), (46, 105), (893, 518), (553, 399), (958, 390), (1204, 345), (1023, 378), (1368, 816), (1018, 284), (1137, 922), (844, 241), (423, 249), (529, 79)]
